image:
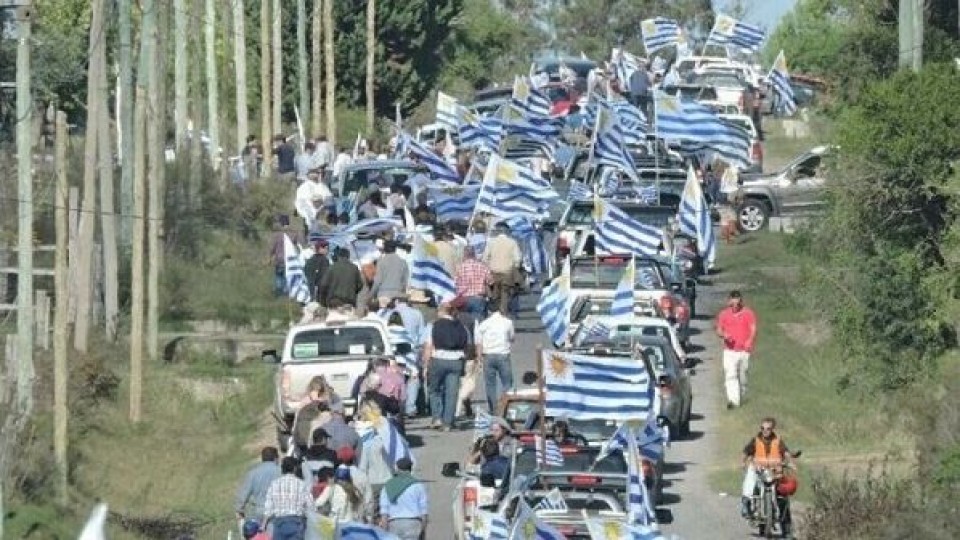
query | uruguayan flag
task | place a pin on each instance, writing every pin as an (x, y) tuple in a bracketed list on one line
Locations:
[(699, 128), (587, 387), (595, 330), (730, 31), (297, 287), (602, 529), (489, 526), (554, 307), (320, 527), (779, 79), (453, 202), (528, 100), (624, 64), (618, 233), (483, 133), (400, 336), (694, 216), (438, 167), (639, 506), (651, 441), (394, 445), (659, 32), (482, 422), (622, 305), (371, 226), (553, 457), (579, 191), (609, 146), (510, 190), (352, 530), (427, 272), (529, 527), (449, 112), (553, 501)]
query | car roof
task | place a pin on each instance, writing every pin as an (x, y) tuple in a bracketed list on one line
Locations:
[(358, 323), (634, 320), (380, 164)]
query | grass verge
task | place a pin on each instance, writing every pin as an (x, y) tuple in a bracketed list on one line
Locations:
[(793, 375)]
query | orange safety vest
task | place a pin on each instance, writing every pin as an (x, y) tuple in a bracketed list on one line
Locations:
[(764, 457)]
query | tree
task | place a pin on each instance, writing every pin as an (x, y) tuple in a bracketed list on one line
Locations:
[(316, 67), (371, 60), (330, 71), (240, 71)]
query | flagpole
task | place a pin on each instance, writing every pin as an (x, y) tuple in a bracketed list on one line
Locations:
[(542, 399), (656, 150)]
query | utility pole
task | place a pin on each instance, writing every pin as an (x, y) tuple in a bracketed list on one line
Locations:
[(316, 66), (303, 74), (89, 205), (108, 223), (331, 75), (240, 67), (371, 61), (277, 65), (180, 82), (213, 104), (918, 16), (155, 160), (61, 295), (125, 120), (265, 92)]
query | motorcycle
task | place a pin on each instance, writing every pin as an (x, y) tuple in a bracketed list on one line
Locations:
[(771, 501)]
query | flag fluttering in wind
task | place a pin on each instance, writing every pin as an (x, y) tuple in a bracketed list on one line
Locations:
[(730, 31), (622, 305), (528, 100), (428, 273), (554, 306), (639, 508), (618, 233), (612, 529), (553, 501), (698, 128), (438, 167), (297, 287), (529, 527), (694, 217), (609, 142), (547, 452), (591, 387), (450, 112), (659, 32), (489, 526), (779, 79), (453, 202), (510, 189)]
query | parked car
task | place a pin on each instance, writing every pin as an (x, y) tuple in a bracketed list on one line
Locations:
[(796, 189), (730, 89), (384, 172)]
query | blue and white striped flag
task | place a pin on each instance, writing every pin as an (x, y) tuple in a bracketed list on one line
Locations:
[(659, 32), (553, 501), (779, 79), (730, 31), (694, 217), (601, 529), (624, 64), (438, 167), (352, 530), (595, 330), (428, 273), (297, 287), (535, 256), (400, 336), (511, 190), (553, 457), (528, 100), (588, 387), (699, 128), (579, 191), (453, 202), (371, 226), (609, 146), (529, 527), (639, 507), (618, 233), (651, 441), (482, 422), (554, 306), (449, 112), (395, 446), (489, 526), (484, 133), (622, 305)]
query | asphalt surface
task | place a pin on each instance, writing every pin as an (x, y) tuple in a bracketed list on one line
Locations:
[(690, 509)]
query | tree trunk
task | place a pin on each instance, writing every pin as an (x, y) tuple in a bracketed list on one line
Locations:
[(108, 227), (125, 121), (265, 107), (155, 160), (371, 61), (213, 103), (89, 206), (60, 413), (180, 80), (331, 76), (240, 67), (303, 72), (137, 256), (277, 65), (316, 68)]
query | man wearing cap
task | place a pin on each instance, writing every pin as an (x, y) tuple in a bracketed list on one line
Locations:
[(342, 435), (393, 274), (504, 257), (403, 503)]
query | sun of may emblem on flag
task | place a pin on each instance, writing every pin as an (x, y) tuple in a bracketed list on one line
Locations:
[(505, 172), (469, 117), (445, 101), (649, 27), (521, 90), (559, 366), (781, 63), (725, 24), (612, 530), (668, 104), (430, 250), (530, 529)]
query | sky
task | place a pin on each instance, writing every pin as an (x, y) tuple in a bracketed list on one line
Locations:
[(765, 13)]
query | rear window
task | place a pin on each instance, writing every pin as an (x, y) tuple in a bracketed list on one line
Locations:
[(361, 178), (606, 274), (621, 333), (655, 216), (337, 341), (718, 80), (577, 462)]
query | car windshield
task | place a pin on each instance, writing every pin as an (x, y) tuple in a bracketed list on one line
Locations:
[(657, 356), (720, 80), (655, 216), (557, 93), (577, 461), (605, 273), (385, 177), (588, 336), (337, 341)]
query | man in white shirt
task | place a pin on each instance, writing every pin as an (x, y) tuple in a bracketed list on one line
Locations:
[(323, 154), (310, 198), (343, 159), (494, 338)]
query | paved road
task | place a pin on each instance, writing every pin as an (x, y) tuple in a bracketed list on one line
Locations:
[(691, 509)]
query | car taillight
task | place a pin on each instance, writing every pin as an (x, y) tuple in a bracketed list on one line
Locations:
[(285, 383), (682, 310), (757, 151), (469, 496), (583, 480), (740, 103), (647, 467)]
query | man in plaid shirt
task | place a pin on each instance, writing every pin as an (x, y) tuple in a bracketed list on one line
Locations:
[(287, 502), (473, 279)]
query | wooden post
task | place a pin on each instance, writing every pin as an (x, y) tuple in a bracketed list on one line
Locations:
[(61, 297), (265, 92), (542, 401), (108, 228), (240, 71), (303, 75), (331, 74), (371, 61), (155, 161), (41, 318), (316, 67), (95, 103), (180, 80), (213, 102), (126, 120), (73, 251), (277, 64)]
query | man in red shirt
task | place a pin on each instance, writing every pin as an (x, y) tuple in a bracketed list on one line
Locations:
[(737, 327)]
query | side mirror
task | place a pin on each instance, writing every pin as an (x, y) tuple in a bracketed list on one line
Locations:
[(529, 378), (450, 470), (662, 421), (269, 356)]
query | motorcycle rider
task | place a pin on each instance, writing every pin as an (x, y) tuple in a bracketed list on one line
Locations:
[(765, 450)]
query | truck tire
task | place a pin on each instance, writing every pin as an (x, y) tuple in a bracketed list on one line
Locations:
[(753, 215)]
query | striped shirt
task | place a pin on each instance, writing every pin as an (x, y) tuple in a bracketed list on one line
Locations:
[(287, 496)]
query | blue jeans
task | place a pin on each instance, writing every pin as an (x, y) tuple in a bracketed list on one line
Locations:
[(413, 388), (443, 381), (476, 309), (496, 366), (279, 280), (289, 528)]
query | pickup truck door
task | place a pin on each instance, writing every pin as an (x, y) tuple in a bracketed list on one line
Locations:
[(800, 186)]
